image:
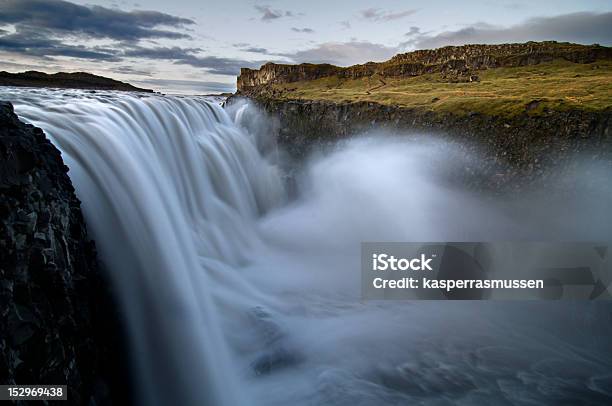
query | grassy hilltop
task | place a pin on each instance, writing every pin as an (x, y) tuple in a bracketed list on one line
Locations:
[(518, 79), (65, 80), (501, 91)]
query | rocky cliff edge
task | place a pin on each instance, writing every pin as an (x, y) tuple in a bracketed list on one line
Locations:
[(56, 322)]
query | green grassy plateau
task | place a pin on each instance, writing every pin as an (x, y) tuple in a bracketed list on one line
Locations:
[(507, 91)]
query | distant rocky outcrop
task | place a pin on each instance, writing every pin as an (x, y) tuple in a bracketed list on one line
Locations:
[(75, 80), (518, 143), (457, 63), (56, 320)]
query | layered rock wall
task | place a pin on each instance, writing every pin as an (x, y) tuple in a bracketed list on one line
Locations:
[(458, 62), (514, 151), (57, 325)]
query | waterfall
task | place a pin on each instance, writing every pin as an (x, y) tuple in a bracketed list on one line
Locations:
[(234, 294), (171, 189)]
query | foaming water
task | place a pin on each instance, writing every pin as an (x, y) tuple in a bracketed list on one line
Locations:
[(170, 189), (236, 295)]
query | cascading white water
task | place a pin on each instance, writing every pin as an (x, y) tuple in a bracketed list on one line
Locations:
[(169, 187), (235, 295)]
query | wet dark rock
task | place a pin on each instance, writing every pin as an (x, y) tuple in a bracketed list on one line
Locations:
[(279, 351), (275, 359), (513, 150), (56, 320)]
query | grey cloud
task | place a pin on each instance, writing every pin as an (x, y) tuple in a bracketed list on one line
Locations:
[(189, 86), (218, 65), (514, 6), (376, 14), (413, 31), (45, 30), (62, 17), (43, 47), (245, 47), (344, 53), (255, 50), (79, 51), (166, 53), (304, 30), (132, 71), (269, 14), (584, 27), (190, 56), (37, 44), (21, 66)]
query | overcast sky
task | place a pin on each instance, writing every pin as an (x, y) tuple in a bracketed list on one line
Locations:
[(198, 46)]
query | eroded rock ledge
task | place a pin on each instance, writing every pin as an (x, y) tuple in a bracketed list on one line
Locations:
[(455, 63), (514, 150), (56, 322)]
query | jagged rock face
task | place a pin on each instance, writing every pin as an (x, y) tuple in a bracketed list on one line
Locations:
[(477, 55), (279, 73), (53, 312), (515, 151), (456, 62)]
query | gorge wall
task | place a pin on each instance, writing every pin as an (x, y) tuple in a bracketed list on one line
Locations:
[(57, 324), (515, 147), (513, 150), (457, 63)]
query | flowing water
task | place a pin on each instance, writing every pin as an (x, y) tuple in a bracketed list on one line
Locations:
[(236, 292)]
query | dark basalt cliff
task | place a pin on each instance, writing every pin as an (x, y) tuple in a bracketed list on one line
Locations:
[(456, 63), (75, 80), (514, 151), (56, 325)]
